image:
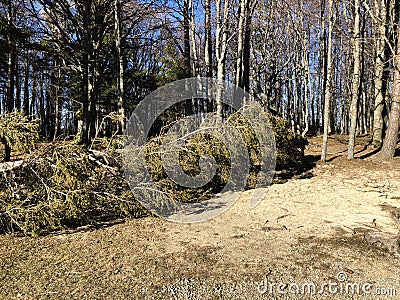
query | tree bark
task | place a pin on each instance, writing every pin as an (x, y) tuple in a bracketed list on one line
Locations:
[(247, 46), (10, 74), (381, 8), (26, 84), (355, 90), (392, 134), (221, 49), (18, 85), (306, 83), (120, 59), (87, 114), (57, 112), (240, 42), (187, 51), (327, 97), (11, 61), (208, 40)]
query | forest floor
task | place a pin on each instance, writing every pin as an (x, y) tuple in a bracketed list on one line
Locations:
[(335, 228)]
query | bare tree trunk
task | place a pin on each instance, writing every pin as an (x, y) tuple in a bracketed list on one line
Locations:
[(10, 76), (392, 134), (208, 40), (26, 84), (194, 59), (391, 138), (312, 104), (322, 65), (42, 108), (121, 91), (306, 82), (247, 45), (327, 108), (11, 63), (197, 105), (18, 85), (380, 60), (240, 42), (221, 47), (355, 90), (187, 50), (363, 106), (85, 124), (57, 113), (208, 51), (33, 106)]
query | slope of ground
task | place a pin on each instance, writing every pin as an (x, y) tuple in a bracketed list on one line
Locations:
[(334, 229)]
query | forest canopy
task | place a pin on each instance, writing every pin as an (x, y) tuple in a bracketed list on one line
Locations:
[(323, 66)]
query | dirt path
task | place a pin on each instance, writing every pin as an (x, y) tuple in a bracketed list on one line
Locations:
[(339, 225)]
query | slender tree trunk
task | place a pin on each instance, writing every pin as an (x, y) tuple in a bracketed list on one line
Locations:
[(26, 84), (11, 75), (83, 123), (33, 106), (306, 83), (322, 57), (187, 50), (355, 90), (313, 92), (197, 105), (57, 113), (18, 85), (120, 58), (208, 51), (87, 88), (221, 49), (363, 119), (240, 42), (327, 108), (11, 64), (208, 40), (42, 108), (247, 45), (380, 61), (194, 59), (186, 38)]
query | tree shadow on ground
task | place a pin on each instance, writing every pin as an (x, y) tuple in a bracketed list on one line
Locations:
[(364, 148), (339, 154), (100, 224), (375, 151), (299, 170)]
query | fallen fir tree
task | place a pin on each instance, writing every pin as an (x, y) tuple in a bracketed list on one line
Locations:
[(65, 185)]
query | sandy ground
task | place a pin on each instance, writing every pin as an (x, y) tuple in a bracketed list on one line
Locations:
[(335, 228)]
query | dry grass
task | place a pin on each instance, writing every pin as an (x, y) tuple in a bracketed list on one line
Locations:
[(127, 261)]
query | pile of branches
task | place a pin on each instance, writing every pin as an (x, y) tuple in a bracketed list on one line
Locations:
[(290, 158), (63, 186), (17, 132)]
